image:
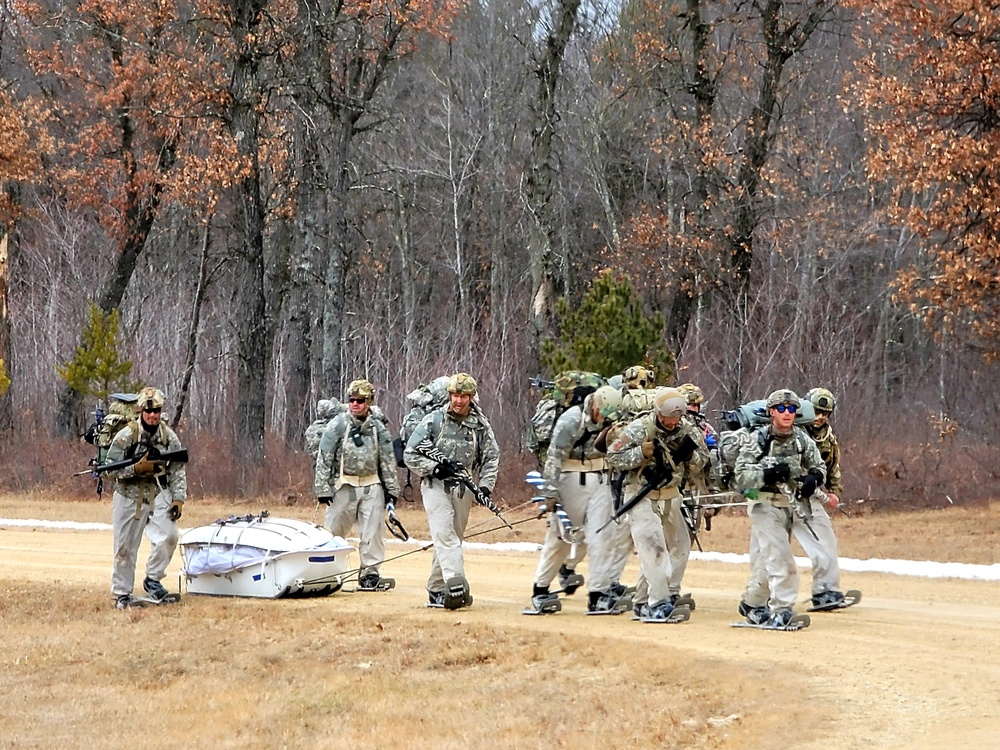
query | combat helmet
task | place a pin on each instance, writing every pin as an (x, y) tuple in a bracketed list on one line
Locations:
[(783, 396), (669, 402), (149, 398), (639, 376), (462, 382), (692, 393), (361, 388), (822, 400), (608, 403)]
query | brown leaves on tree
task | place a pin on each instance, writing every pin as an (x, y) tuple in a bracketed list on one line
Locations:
[(931, 89)]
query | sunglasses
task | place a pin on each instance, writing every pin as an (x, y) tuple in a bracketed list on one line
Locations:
[(152, 411), (358, 400), (782, 408)]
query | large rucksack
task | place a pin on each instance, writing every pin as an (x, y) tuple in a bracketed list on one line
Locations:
[(121, 412), (569, 389)]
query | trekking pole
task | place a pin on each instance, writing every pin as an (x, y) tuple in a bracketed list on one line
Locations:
[(352, 574)]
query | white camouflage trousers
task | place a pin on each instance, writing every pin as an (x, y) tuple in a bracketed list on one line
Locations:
[(364, 506), (588, 506), (447, 516), (675, 534), (609, 549), (646, 525), (774, 577), (128, 527), (822, 552)]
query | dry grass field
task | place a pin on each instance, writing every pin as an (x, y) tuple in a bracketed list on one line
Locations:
[(913, 666)]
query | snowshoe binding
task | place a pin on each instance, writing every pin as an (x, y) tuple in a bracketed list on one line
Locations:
[(606, 603), (374, 582), (156, 593), (664, 612), (543, 604), (831, 600), (569, 580), (784, 619)]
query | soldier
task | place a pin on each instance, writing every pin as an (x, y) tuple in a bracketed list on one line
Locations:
[(695, 398), (463, 436), (149, 495), (659, 450), (326, 410), (576, 485), (356, 480), (822, 552), (778, 464)]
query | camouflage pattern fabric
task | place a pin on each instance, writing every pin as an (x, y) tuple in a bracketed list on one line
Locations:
[(573, 385), (172, 476), (423, 400), (339, 453), (625, 454), (796, 449), (470, 441), (829, 451), (573, 437)]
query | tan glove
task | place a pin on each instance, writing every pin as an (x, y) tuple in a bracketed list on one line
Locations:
[(647, 449), (144, 467), (175, 510)]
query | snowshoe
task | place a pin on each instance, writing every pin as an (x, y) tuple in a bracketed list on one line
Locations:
[(435, 599), (664, 612), (569, 580), (783, 620), (831, 600), (374, 582), (543, 604), (607, 604), (127, 601), (456, 594), (683, 600)]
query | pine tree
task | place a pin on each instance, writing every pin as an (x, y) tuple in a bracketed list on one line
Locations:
[(97, 369), (607, 333)]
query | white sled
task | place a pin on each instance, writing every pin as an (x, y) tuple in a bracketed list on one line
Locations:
[(264, 557)]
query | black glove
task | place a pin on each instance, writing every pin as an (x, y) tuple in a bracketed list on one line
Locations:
[(447, 469), (777, 473), (685, 451), (486, 491), (324, 500), (390, 500), (809, 482)]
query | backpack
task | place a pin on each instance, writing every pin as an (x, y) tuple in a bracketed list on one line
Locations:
[(423, 400), (569, 389), (754, 413), (121, 412)]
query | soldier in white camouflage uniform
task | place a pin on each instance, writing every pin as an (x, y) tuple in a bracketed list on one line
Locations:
[(576, 482), (461, 432), (777, 461), (326, 410), (356, 479), (664, 447), (149, 496)]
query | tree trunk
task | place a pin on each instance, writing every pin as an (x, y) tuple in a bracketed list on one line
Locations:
[(252, 335), (546, 284)]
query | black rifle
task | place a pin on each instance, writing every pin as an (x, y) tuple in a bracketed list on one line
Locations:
[(542, 385), (178, 456), (426, 448), (660, 477), (803, 510)]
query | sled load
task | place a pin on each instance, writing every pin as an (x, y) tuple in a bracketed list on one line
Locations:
[(263, 557)]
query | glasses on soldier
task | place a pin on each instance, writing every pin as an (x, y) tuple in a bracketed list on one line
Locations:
[(152, 411), (782, 408), (358, 400)]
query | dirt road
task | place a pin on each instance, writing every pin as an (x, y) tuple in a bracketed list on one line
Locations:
[(914, 666)]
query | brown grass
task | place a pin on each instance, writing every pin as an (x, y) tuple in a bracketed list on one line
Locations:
[(242, 673), (384, 671)]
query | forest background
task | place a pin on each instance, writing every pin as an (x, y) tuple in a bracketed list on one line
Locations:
[(279, 196)]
